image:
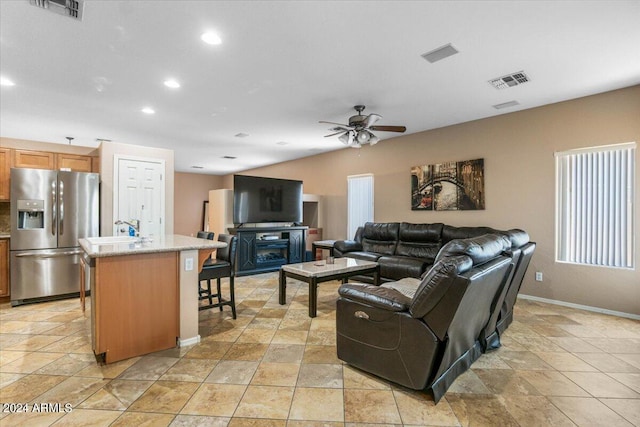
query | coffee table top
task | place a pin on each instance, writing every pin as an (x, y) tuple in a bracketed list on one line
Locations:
[(321, 268)]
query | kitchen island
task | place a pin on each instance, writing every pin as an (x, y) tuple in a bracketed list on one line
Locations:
[(143, 293)]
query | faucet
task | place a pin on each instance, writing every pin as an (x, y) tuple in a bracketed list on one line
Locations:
[(135, 223)]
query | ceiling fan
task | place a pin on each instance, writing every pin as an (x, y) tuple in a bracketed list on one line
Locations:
[(358, 131)]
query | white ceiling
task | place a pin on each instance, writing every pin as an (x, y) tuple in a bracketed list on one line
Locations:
[(283, 66)]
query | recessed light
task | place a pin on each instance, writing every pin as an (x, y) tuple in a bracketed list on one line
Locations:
[(173, 84), (211, 38), (229, 157), (6, 82), (282, 143), (241, 135), (148, 110), (197, 167)]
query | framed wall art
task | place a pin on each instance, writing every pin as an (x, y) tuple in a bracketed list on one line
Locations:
[(450, 186)]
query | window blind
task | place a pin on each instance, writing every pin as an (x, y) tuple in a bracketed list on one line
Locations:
[(359, 202), (594, 206)]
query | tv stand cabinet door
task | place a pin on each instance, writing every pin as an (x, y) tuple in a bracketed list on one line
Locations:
[(296, 246), (246, 251)]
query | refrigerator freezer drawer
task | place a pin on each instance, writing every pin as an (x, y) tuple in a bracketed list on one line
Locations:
[(44, 273)]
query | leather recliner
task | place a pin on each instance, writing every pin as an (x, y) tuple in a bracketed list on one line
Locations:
[(423, 334)]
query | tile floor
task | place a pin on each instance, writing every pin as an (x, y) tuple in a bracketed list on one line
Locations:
[(274, 366)]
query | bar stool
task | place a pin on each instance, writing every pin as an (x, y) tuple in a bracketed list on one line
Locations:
[(221, 266)]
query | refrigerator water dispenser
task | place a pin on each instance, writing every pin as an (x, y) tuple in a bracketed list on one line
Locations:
[(30, 214)]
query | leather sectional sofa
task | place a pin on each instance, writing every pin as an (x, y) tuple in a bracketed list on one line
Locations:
[(422, 332)]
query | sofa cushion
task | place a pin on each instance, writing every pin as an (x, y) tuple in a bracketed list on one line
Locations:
[(365, 256), (396, 267), (480, 249), (517, 237), (450, 232), (437, 282), (380, 238), (419, 240), (406, 286)]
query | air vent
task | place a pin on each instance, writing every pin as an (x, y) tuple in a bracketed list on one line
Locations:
[(506, 105), (71, 8), (241, 135), (197, 167), (509, 80), (229, 157), (440, 53)]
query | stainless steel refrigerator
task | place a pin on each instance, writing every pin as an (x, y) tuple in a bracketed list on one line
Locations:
[(50, 211)]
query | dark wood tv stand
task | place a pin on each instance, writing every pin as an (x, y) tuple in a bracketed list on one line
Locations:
[(263, 249)]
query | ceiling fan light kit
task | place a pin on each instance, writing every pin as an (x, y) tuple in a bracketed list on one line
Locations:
[(358, 131)]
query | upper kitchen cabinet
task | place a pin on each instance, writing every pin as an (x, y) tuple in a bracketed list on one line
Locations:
[(74, 162), (5, 168), (95, 164), (33, 159)]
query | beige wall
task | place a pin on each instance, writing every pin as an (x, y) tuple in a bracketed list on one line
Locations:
[(191, 190), (518, 150), (107, 152)]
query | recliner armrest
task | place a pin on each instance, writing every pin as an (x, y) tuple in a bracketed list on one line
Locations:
[(344, 246), (375, 296)]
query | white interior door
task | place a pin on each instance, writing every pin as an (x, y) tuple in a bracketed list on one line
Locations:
[(140, 195)]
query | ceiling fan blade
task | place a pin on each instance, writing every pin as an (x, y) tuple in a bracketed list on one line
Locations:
[(389, 128), (371, 119), (340, 128), (337, 133), (333, 123)]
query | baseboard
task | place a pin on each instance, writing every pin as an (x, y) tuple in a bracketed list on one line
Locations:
[(188, 341), (581, 307)]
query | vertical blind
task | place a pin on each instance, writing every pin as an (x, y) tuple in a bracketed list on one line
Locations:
[(359, 202), (594, 206)]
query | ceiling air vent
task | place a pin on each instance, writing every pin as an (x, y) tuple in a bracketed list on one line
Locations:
[(506, 105), (71, 8), (440, 53), (509, 80)]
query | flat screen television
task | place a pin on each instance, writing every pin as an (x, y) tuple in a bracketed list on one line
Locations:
[(257, 200)]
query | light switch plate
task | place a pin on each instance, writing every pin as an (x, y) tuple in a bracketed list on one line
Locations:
[(188, 264)]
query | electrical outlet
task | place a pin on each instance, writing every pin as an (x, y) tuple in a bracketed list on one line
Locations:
[(538, 276), (188, 264)]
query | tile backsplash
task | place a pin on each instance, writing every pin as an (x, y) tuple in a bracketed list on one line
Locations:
[(5, 226)]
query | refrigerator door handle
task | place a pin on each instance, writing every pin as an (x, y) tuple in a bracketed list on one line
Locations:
[(48, 254), (61, 200), (53, 208)]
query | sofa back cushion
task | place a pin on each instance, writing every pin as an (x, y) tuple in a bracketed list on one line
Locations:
[(449, 232), (380, 238), (480, 249), (441, 280), (419, 240)]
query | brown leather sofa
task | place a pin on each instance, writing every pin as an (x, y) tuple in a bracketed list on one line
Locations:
[(424, 333), (405, 250)]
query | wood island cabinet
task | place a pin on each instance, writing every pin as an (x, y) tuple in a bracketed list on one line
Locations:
[(33, 159), (4, 268), (135, 304), (5, 173)]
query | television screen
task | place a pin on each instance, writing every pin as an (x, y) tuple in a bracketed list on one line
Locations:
[(257, 199)]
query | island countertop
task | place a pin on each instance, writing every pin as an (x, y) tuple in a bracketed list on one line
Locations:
[(167, 243)]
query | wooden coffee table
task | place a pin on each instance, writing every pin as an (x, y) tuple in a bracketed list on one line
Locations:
[(315, 272)]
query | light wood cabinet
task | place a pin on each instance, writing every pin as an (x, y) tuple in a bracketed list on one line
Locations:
[(136, 300), (33, 159), (5, 173), (5, 291), (95, 164), (74, 162)]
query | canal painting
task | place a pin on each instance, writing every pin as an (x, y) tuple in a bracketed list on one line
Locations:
[(450, 186)]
